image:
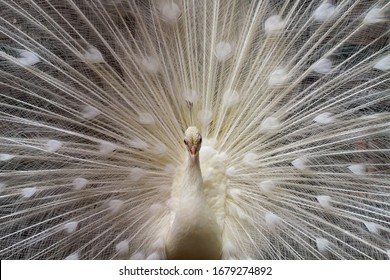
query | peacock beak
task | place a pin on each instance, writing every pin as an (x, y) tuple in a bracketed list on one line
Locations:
[(193, 153)]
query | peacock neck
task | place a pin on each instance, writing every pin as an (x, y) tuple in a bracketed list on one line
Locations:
[(193, 181), (194, 233)]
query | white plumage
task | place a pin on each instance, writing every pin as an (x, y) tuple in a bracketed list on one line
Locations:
[(290, 100), (194, 232)]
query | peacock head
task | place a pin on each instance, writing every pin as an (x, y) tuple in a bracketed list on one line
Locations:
[(193, 142)]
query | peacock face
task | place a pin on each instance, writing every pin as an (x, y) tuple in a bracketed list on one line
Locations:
[(193, 141)]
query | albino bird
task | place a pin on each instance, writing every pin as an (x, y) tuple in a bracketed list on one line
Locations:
[(194, 233), (283, 106)]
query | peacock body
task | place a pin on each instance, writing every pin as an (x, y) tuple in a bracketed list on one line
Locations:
[(283, 106)]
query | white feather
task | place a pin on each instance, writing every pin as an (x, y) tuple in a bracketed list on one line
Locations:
[(73, 257), (80, 183), (322, 66), (322, 244), (28, 58), (273, 24), (375, 15), (170, 12), (223, 51), (383, 64), (93, 55), (53, 145), (29, 192), (324, 11), (71, 227), (5, 157)]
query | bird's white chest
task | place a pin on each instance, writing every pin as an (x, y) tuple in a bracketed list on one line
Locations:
[(194, 232)]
